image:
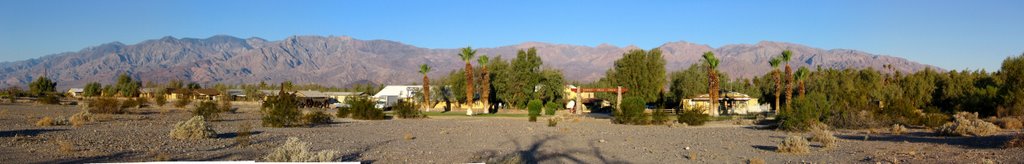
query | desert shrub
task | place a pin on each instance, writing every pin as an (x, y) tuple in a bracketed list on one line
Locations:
[(281, 111), (794, 144), (897, 129), (294, 150), (659, 117), (106, 105), (224, 104), (550, 108), (405, 109), (1009, 123), (805, 112), (693, 117), (160, 100), (363, 109), (194, 128), (820, 133), (244, 131), (143, 101), (46, 121), (207, 109), (534, 107), (343, 112), (182, 102), (1016, 141), (968, 124), (130, 103), (934, 120), (80, 118), (632, 112), (315, 118), (552, 122), (755, 160), (48, 99)]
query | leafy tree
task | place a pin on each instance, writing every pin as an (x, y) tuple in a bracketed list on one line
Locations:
[(281, 111), (1012, 74), (712, 63), (690, 82), (194, 85), (485, 85), (467, 55), (515, 82), (92, 89), (126, 86), (41, 86), (642, 72), (552, 86), (424, 69), (801, 76)]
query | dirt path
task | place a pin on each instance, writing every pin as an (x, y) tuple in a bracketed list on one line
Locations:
[(143, 137)]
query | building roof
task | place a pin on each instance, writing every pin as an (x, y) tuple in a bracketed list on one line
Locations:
[(310, 94), (207, 91), (147, 90), (343, 93), (397, 90), (727, 95), (76, 90)]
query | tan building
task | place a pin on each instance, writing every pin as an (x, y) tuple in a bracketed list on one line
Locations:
[(729, 103)]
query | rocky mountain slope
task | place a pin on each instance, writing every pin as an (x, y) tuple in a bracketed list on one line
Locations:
[(342, 61)]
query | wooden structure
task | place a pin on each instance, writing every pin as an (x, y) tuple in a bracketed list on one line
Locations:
[(618, 99)]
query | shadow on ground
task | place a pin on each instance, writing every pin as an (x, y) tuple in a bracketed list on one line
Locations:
[(534, 153), (26, 132), (985, 142)]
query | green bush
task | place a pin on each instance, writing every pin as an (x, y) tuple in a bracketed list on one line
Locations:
[(659, 117), (281, 111), (534, 109), (207, 109), (550, 108), (363, 108), (315, 118), (130, 103), (160, 100), (182, 102), (632, 112), (143, 101), (106, 105), (48, 99), (806, 111), (693, 117), (405, 109), (343, 112)]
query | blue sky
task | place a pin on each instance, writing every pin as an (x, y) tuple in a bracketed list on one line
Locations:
[(949, 34)]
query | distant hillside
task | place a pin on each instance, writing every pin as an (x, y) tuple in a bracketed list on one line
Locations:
[(343, 61)]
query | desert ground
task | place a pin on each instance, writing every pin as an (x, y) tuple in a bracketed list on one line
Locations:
[(143, 136)]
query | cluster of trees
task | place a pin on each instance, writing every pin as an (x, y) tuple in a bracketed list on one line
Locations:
[(512, 83)]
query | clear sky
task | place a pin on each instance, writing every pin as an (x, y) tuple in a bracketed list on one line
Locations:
[(952, 34)]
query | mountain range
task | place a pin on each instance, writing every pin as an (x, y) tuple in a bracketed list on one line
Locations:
[(343, 61)]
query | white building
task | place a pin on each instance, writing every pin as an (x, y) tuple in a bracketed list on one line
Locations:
[(392, 93)]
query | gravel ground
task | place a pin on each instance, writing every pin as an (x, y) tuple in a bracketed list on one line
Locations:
[(143, 136)]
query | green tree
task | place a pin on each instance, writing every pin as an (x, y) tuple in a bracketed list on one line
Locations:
[(467, 55), (642, 72), (515, 83), (424, 69), (42, 86), (690, 82), (126, 86), (712, 64), (281, 111), (194, 85), (92, 89), (1012, 74), (801, 76), (552, 85)]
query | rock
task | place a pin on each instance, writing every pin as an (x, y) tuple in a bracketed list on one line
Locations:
[(602, 141)]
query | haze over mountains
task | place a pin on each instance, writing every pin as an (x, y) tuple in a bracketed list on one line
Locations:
[(343, 61)]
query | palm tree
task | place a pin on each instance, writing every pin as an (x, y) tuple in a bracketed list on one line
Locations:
[(712, 62), (467, 55), (485, 86), (424, 69), (774, 62), (786, 56), (801, 76)]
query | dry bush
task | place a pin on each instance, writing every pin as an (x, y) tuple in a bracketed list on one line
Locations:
[(1009, 123), (968, 124), (65, 146), (552, 122), (50, 121), (4, 112), (794, 144), (81, 118), (106, 105), (1017, 141), (194, 128), (756, 160), (315, 118), (897, 129), (294, 150), (244, 131), (820, 133)]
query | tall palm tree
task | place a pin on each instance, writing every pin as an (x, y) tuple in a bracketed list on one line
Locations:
[(467, 55), (801, 76), (774, 62), (786, 56), (712, 63), (485, 86), (424, 69)]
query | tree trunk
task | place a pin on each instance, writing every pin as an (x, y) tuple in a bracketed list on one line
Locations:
[(485, 93), (469, 86), (778, 90), (789, 85), (802, 89), (712, 92), (426, 92)]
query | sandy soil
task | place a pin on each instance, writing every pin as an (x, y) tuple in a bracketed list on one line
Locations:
[(144, 137)]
